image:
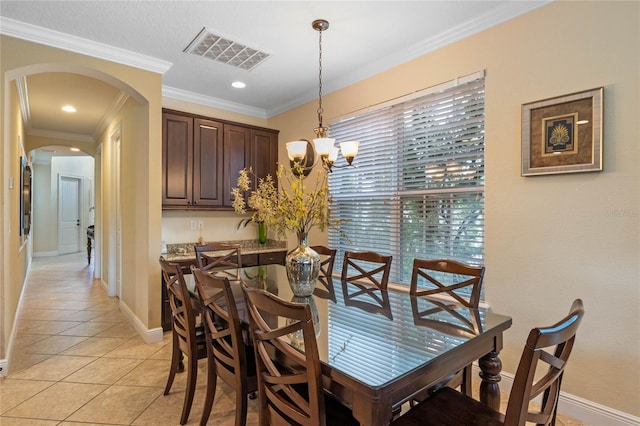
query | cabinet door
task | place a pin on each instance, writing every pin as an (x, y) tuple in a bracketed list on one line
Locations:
[(236, 157), (207, 164), (264, 153), (177, 160)]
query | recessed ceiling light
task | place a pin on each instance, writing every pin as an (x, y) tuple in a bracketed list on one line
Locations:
[(75, 149), (238, 85), (68, 108)]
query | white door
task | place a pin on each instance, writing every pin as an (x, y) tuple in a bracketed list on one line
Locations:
[(69, 193)]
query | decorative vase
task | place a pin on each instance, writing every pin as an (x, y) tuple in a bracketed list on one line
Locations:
[(303, 267), (262, 232)]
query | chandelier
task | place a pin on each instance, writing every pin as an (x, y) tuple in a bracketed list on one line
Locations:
[(324, 145)]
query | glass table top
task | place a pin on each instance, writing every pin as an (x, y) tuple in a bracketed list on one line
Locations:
[(374, 336)]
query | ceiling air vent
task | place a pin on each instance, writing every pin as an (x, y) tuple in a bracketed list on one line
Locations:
[(220, 49)]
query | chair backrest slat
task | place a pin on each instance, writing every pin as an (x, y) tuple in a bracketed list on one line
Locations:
[(447, 276), (226, 255), (551, 345), (372, 268)]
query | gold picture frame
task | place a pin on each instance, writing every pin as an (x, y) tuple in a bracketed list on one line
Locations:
[(563, 134)]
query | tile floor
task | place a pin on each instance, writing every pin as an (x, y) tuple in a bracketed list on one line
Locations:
[(77, 361)]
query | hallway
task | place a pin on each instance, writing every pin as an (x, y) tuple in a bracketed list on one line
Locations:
[(76, 360)]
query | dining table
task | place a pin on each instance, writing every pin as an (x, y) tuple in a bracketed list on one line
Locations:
[(381, 348)]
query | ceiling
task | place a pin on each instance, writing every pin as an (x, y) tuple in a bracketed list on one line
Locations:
[(364, 38)]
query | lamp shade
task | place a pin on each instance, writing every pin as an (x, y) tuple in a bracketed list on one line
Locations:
[(333, 154), (324, 145), (349, 150), (296, 150)]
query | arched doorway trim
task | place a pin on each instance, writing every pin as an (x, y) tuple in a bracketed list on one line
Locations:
[(17, 73)]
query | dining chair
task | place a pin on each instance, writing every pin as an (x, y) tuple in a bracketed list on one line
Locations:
[(458, 281), (228, 357), (366, 268), (550, 345), (227, 255), (188, 338), (446, 276), (290, 389), (327, 259)]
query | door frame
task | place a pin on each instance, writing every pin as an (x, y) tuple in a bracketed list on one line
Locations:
[(115, 218)]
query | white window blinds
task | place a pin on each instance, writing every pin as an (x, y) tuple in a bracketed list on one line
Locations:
[(418, 186)]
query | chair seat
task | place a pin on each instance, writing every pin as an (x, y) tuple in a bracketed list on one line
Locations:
[(448, 407)]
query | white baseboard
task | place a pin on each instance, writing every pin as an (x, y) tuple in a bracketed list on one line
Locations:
[(586, 411), (45, 253), (4, 366), (4, 363), (153, 335)]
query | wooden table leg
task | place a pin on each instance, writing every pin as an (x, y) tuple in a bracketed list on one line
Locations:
[(490, 366), (89, 250), (372, 413)]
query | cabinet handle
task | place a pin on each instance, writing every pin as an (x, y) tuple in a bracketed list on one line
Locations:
[(195, 202)]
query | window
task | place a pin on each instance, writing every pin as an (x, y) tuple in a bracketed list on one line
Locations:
[(418, 186)]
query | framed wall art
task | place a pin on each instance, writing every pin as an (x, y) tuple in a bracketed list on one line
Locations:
[(563, 134)]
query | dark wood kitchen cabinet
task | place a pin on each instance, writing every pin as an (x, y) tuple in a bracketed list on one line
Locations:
[(191, 151), (237, 156), (246, 147), (201, 159)]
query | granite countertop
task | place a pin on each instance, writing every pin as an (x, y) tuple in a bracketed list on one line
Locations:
[(184, 251)]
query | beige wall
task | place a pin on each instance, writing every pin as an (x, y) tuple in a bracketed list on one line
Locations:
[(548, 239), (45, 240), (139, 192), (15, 248)]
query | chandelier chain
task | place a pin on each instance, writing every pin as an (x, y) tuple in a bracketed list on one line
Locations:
[(320, 109)]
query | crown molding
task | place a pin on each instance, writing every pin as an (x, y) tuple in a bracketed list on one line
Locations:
[(473, 26), (108, 117), (33, 33), (183, 95)]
